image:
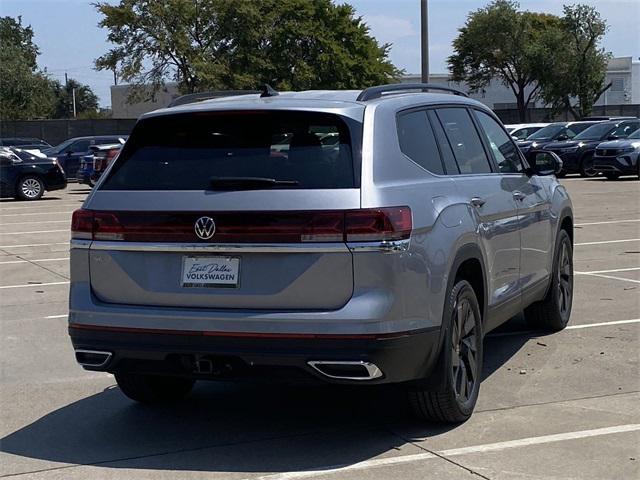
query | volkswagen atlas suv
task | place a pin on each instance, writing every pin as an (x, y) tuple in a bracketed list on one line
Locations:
[(382, 257)]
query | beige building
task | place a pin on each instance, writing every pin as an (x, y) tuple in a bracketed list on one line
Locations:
[(622, 72)]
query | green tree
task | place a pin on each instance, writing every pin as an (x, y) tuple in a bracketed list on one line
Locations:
[(219, 44), (576, 77), (500, 42), (25, 92), (86, 100)]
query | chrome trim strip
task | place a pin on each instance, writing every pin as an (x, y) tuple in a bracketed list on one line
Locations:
[(79, 244), (393, 246), (372, 370), (320, 247), (94, 352)]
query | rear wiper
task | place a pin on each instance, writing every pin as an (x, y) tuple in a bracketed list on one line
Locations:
[(248, 183)]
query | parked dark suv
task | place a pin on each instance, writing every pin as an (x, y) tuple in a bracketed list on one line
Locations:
[(577, 154), (382, 256), (70, 152), (554, 132)]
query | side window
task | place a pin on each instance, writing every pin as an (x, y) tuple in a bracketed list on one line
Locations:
[(79, 146), (445, 149), (418, 142), (504, 150), (464, 140)]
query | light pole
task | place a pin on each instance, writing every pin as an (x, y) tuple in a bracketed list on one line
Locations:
[(424, 39)]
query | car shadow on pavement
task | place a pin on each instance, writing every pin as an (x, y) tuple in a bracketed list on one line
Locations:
[(224, 427)]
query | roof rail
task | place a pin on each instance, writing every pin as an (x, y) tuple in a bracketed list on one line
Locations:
[(377, 92), (198, 97)]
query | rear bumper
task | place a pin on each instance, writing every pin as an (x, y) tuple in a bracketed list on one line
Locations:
[(400, 357)]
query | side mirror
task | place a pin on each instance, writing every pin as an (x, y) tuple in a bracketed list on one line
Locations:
[(544, 163), (613, 137), (563, 136)]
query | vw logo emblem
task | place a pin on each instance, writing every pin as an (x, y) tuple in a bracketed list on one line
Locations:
[(205, 227)]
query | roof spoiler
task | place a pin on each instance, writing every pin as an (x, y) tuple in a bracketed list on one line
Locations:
[(198, 97)]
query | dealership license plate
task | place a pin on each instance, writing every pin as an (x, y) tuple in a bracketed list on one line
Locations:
[(210, 271)]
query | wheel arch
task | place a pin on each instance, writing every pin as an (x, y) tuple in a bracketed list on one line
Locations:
[(468, 264)]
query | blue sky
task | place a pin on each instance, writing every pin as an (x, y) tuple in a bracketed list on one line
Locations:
[(69, 39)]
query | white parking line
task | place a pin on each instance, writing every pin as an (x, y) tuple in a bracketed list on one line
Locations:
[(39, 213), (570, 327), (30, 206), (607, 222), (6, 247), (630, 269), (608, 241), (611, 277), (57, 316), (37, 221), (602, 324), (35, 231), (34, 260), (27, 285), (489, 447)]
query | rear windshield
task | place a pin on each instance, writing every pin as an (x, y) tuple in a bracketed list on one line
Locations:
[(309, 150)]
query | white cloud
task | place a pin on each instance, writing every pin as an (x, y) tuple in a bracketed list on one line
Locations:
[(388, 29)]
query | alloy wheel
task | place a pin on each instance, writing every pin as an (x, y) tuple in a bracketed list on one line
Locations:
[(565, 281), (31, 188), (464, 351)]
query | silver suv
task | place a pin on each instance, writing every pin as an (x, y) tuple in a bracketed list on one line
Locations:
[(349, 237)]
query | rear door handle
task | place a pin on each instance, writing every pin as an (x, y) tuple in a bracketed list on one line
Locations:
[(477, 202), (519, 195)]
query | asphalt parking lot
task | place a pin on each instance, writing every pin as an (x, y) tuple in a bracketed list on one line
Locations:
[(564, 405)]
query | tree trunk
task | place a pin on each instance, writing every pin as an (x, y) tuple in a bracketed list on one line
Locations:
[(522, 106)]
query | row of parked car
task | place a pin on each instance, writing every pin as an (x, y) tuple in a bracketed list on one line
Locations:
[(30, 166), (596, 145), (599, 145)]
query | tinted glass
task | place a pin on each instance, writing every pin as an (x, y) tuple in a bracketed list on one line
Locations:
[(450, 164), (596, 132), (184, 152), (464, 140), (547, 133), (504, 150), (635, 135), (624, 130), (418, 142), (80, 146)]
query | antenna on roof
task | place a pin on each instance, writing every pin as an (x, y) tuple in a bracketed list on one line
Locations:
[(268, 91)]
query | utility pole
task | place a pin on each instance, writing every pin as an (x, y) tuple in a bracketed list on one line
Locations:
[(424, 39), (74, 102)]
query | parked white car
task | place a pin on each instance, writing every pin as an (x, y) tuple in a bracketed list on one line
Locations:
[(521, 131)]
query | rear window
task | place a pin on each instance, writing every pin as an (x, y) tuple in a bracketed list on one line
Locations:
[(306, 150)]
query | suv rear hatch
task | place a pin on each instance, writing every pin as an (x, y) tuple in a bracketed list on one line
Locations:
[(227, 209)]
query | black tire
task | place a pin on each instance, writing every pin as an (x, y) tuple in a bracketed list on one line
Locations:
[(29, 187), (553, 312), (586, 166), (561, 174), (454, 399), (153, 388), (612, 176)]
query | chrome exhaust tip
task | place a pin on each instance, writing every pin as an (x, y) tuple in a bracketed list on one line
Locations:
[(92, 358), (346, 370)]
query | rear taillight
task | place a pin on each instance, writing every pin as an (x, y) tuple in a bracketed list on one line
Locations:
[(377, 224), (82, 224)]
